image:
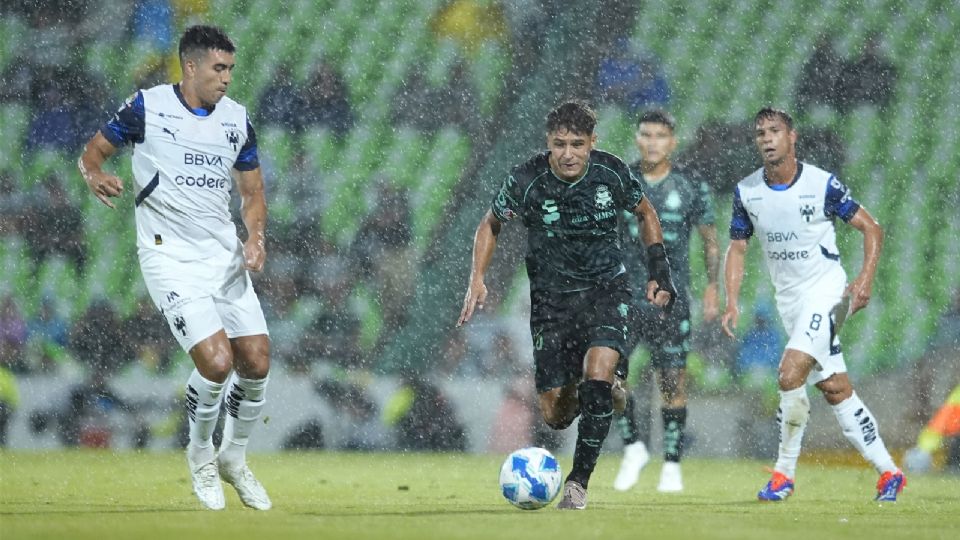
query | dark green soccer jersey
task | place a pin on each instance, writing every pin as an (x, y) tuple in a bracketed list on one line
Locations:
[(573, 239), (682, 204)]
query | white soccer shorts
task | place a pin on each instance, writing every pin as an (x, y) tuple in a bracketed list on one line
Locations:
[(811, 328), (198, 298)]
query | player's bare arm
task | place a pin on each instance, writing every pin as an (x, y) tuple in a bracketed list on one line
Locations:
[(711, 259), (652, 234), (733, 280), (254, 212), (484, 243), (95, 154), (861, 287)]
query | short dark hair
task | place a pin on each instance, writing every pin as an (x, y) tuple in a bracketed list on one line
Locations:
[(574, 115), (205, 38), (658, 116), (772, 112)]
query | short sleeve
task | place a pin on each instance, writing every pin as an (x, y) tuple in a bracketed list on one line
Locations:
[(127, 125), (703, 212), (838, 201), (248, 159), (741, 227), (506, 203)]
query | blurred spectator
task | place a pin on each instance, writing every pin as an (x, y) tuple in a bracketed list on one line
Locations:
[(52, 31), (631, 78), (152, 24), (818, 77), (870, 79), (149, 340), (326, 101), (48, 335), (332, 336), (95, 343), (470, 23), (90, 415), (282, 104), (13, 336), (384, 257), (944, 424), (357, 413), (53, 125), (760, 349), (427, 107), (189, 12), (756, 371), (424, 418), (54, 225)]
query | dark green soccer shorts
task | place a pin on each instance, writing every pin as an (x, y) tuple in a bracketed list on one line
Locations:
[(565, 325)]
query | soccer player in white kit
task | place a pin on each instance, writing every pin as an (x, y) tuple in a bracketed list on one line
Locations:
[(190, 144), (791, 206)]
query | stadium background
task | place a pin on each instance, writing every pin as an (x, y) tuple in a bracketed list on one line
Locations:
[(722, 61)]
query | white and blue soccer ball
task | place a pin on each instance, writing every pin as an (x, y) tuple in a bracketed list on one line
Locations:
[(530, 478)]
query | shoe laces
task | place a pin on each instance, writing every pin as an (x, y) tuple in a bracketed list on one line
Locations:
[(778, 479)]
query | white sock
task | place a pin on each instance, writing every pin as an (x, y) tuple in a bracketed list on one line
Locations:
[(203, 409), (792, 417), (245, 399), (862, 430)]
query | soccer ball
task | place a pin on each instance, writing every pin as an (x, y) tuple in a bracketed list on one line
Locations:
[(530, 478)]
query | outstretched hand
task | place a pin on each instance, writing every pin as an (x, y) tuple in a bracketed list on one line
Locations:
[(104, 186), (474, 299)]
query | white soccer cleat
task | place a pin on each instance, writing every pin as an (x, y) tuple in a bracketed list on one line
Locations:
[(671, 479), (207, 486), (635, 458), (249, 489)]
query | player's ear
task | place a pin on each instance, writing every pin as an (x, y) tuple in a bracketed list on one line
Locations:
[(593, 139)]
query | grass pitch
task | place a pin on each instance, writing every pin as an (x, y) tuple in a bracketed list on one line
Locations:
[(100, 495)]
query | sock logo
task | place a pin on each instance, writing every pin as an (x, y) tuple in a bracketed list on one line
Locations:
[(192, 400), (234, 397), (867, 427)]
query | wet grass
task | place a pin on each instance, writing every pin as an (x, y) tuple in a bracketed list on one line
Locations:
[(100, 495)]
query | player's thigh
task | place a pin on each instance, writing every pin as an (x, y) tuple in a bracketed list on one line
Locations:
[(181, 291), (813, 332), (603, 319)]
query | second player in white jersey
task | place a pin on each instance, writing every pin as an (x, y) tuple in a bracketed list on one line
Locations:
[(791, 207), (795, 227)]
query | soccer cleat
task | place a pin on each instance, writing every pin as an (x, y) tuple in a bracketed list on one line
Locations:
[(250, 490), (207, 486), (889, 485), (777, 489), (635, 458), (574, 497), (671, 480)]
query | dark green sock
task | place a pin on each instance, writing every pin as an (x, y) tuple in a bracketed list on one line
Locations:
[(674, 421), (596, 415)]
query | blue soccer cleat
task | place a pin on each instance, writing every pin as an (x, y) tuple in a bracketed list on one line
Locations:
[(777, 489), (889, 484)]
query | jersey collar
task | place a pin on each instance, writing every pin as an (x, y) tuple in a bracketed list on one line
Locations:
[(199, 111), (782, 187)]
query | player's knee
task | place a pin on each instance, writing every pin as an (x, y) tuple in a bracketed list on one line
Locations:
[(596, 398), (788, 380)]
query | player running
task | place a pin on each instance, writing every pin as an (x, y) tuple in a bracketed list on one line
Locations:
[(791, 207), (570, 199), (682, 204), (189, 143)]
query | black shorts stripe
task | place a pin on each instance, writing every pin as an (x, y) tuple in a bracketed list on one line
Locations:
[(147, 190)]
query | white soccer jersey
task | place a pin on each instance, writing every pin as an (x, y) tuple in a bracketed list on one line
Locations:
[(795, 227), (182, 160)]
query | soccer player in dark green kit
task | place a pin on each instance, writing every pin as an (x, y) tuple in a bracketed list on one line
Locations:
[(683, 204), (571, 199)]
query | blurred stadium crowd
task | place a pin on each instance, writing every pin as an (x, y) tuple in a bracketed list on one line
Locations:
[(369, 115)]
